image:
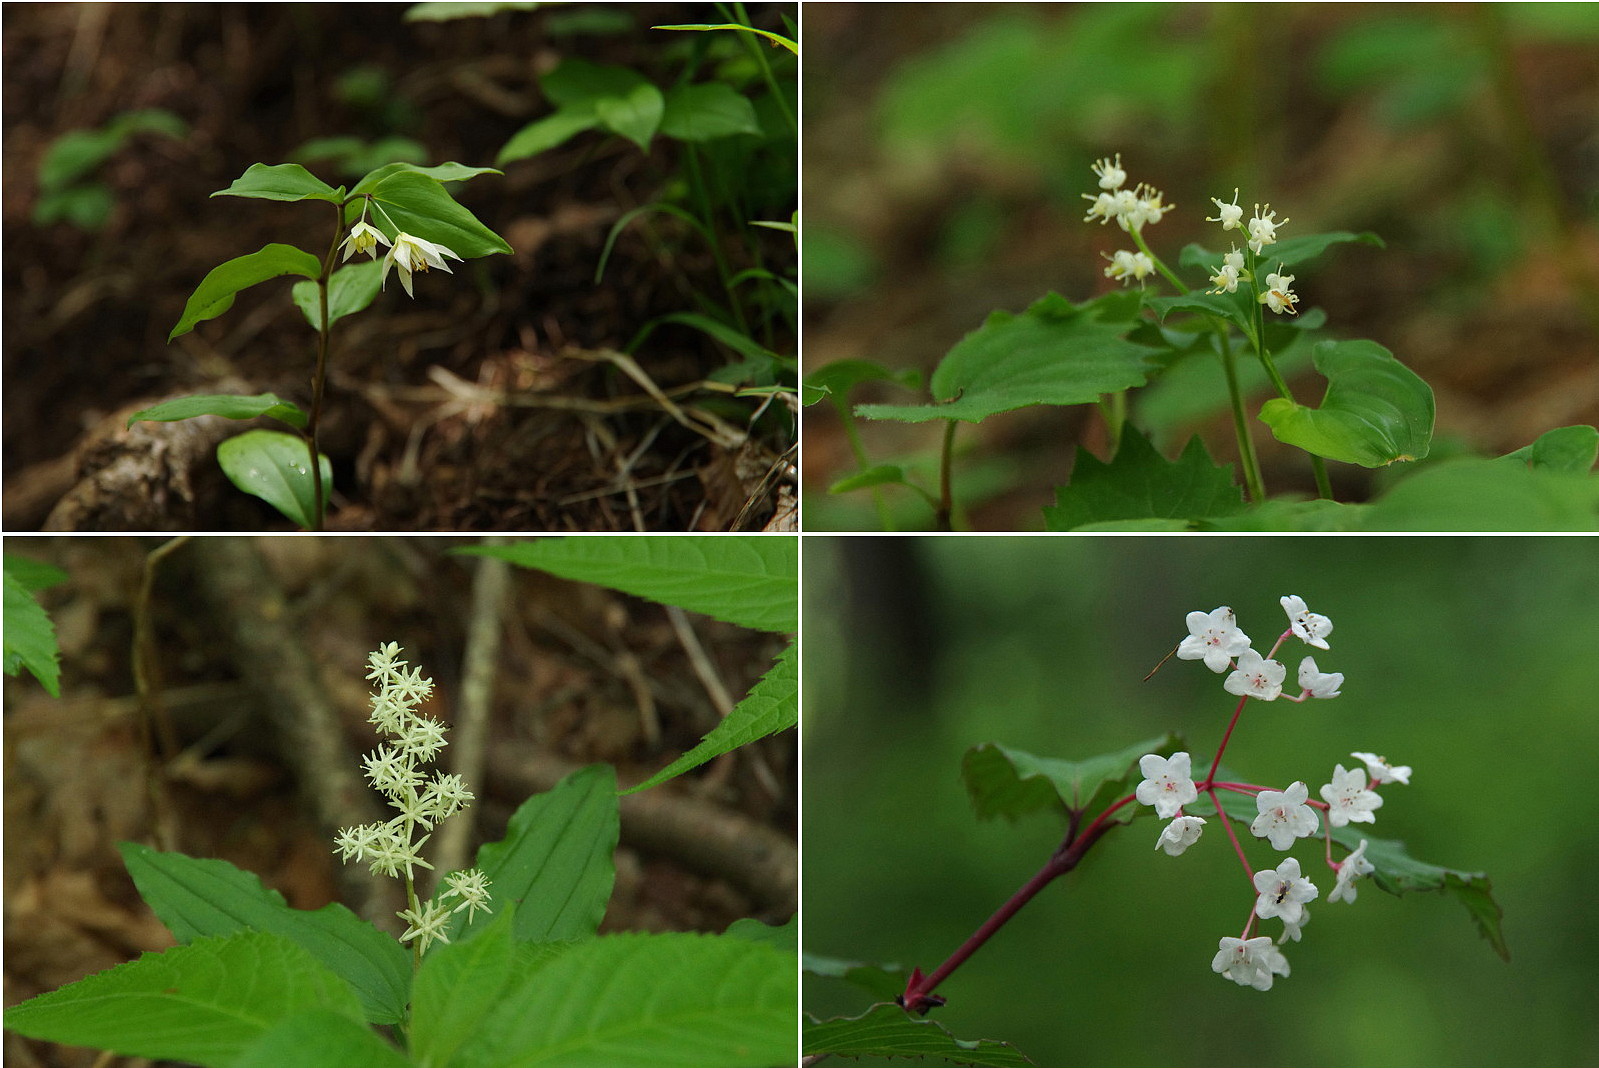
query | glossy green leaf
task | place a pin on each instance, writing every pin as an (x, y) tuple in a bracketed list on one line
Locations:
[(747, 579), (275, 467), (319, 1038), (772, 705), (199, 898), (283, 181), (887, 1031), (1474, 494), (554, 862), (547, 133), (706, 112), (644, 1001), (420, 206), (30, 636), (1224, 306), (205, 1003), (216, 290), (1053, 353), (1568, 450), (350, 289), (227, 405), (443, 172), (1001, 781), (1140, 484), (1376, 410)]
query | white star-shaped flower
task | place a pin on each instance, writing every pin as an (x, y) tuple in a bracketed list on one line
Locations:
[(1250, 963), (1381, 771), (1256, 677), (1284, 816), (1348, 800), (1168, 784), (1179, 834), (412, 254), (1283, 892), (1307, 626), (1213, 637), (1263, 228)]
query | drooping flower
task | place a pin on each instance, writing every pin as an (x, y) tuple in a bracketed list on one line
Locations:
[(1225, 280), (1283, 892), (1307, 626), (411, 254), (1213, 637), (1279, 295), (1317, 683), (364, 237), (1256, 677), (1354, 866), (1284, 816), (1381, 771), (1263, 229), (1168, 783), (1179, 834), (1293, 930), (1229, 215), (1348, 800), (1250, 963), (1127, 266)]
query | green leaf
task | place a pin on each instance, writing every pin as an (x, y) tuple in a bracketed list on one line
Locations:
[(199, 898), (1008, 782), (1313, 516), (420, 206), (554, 862), (746, 579), (1224, 306), (283, 181), (643, 1001), (1053, 353), (30, 637), (458, 985), (85, 206), (889, 1031), (547, 133), (216, 290), (350, 289), (444, 172), (75, 153), (775, 38), (1140, 484), (879, 475), (578, 83), (1474, 495), (1376, 409), (1288, 250), (469, 9), (274, 466), (707, 112), (840, 376), (1568, 450), (884, 982), (319, 1038), (772, 705), (635, 116), (34, 574), (204, 1003), (780, 935), (227, 405)]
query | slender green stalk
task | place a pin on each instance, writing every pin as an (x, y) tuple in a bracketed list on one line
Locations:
[(1318, 466), (319, 380), (946, 504), (853, 433), (758, 51)]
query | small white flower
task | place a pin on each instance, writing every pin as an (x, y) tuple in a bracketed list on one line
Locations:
[(1179, 834), (382, 662), (391, 853), (1382, 771), (1226, 278), (1101, 207), (390, 771), (412, 253), (1127, 265), (1283, 892), (1250, 963), (1348, 800), (1229, 215), (1213, 637), (364, 237), (422, 738), (1284, 816), (426, 922), (446, 795), (1145, 207), (1317, 683), (1263, 229), (1111, 175), (1168, 784), (353, 842), (1307, 626), (472, 887), (1278, 296), (1292, 930), (1354, 866), (1256, 677)]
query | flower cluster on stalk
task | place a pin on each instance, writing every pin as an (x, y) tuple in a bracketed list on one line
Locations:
[(407, 253), (1282, 817), (1132, 209), (422, 800)]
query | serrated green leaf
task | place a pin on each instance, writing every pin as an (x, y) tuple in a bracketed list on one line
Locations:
[(1140, 484), (888, 1031), (275, 467), (1053, 353), (780, 936), (199, 898), (420, 206), (840, 376), (458, 986), (35, 575), (282, 181), (1568, 450), (707, 112), (1376, 410), (554, 862), (646, 1001), (350, 289), (1001, 781), (746, 579), (205, 1003), (318, 1038), (227, 405), (30, 637), (884, 982), (217, 289), (771, 706)]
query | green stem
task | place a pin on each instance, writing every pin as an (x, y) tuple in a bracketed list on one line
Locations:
[(1318, 466), (946, 504), (319, 379), (757, 50), (852, 432)]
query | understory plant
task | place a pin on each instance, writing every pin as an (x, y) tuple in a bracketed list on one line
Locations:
[(500, 965), (404, 221), (1300, 849), (1248, 323)]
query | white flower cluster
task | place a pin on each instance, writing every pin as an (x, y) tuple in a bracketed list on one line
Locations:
[(1132, 209), (1283, 816), (1262, 231), (393, 770)]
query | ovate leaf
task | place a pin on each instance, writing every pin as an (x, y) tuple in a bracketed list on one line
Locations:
[(1376, 409), (227, 405), (707, 112), (204, 1003), (772, 705), (420, 206), (1009, 782), (547, 133), (1473, 494), (217, 289), (277, 468), (350, 289), (443, 172), (1141, 484), (884, 982), (749, 580), (458, 985), (1569, 450), (285, 181), (888, 1031)]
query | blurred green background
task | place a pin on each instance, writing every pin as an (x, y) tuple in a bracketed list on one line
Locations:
[(1471, 659), (946, 154)]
